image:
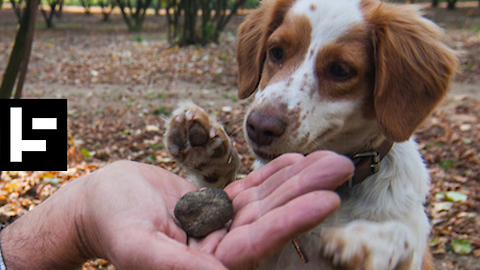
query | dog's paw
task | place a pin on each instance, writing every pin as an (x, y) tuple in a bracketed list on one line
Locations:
[(201, 146), (369, 246)]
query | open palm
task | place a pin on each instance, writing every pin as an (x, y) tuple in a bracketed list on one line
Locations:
[(272, 205)]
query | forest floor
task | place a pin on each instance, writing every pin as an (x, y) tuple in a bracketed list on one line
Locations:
[(121, 87)]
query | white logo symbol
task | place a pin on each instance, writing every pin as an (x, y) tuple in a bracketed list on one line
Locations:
[(17, 144)]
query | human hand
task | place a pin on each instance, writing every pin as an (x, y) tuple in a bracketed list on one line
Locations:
[(276, 203), (272, 205), (124, 213)]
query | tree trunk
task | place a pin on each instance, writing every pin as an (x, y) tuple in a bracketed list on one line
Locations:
[(121, 4), (158, 6), (210, 26), (451, 4), (49, 16), (59, 12), (19, 53), (170, 21), (28, 48), (190, 18), (226, 18), (207, 26), (87, 4), (136, 15), (141, 11), (435, 3), (17, 8), (107, 7)]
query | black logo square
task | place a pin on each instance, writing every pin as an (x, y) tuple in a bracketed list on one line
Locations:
[(33, 134)]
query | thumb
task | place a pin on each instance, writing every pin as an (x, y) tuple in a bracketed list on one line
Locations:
[(156, 250)]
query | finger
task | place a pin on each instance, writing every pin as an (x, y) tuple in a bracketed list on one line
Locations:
[(209, 243), (264, 187), (157, 251), (257, 177), (251, 244), (326, 172)]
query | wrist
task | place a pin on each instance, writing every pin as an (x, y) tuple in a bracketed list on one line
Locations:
[(88, 242), (48, 237), (2, 260)]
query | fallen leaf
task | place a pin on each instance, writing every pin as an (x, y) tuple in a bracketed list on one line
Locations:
[(461, 246), (87, 154), (152, 128), (442, 206), (52, 180), (455, 196)]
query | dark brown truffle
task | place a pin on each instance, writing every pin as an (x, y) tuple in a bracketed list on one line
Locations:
[(202, 212)]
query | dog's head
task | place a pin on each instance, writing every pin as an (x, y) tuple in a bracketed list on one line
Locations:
[(340, 75)]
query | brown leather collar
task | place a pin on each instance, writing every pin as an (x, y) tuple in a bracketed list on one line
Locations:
[(368, 163)]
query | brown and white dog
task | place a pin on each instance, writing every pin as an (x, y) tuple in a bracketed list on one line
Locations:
[(353, 76)]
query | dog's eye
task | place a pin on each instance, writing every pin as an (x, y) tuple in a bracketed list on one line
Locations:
[(341, 71), (338, 71), (276, 54)]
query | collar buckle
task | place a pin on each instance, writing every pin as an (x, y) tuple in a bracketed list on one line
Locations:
[(375, 156), (368, 163)]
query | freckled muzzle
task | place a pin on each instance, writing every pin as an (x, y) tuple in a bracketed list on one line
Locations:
[(263, 127), (270, 130)]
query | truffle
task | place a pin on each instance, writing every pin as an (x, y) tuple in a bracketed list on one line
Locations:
[(202, 212)]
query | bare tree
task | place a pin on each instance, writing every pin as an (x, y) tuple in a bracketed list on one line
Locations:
[(19, 57), (133, 12), (59, 11), (189, 21), (107, 8), (55, 7), (173, 12), (87, 4), (18, 7), (159, 5), (451, 4), (223, 14), (215, 14)]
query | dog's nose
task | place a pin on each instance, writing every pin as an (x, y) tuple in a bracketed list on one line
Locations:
[(264, 127)]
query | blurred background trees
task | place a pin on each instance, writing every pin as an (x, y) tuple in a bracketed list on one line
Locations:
[(133, 12), (107, 7), (50, 8), (202, 20), (188, 22)]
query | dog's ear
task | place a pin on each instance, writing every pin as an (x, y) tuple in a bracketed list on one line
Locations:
[(251, 51), (413, 68), (253, 34)]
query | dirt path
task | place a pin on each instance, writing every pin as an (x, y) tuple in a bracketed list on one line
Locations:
[(471, 90)]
